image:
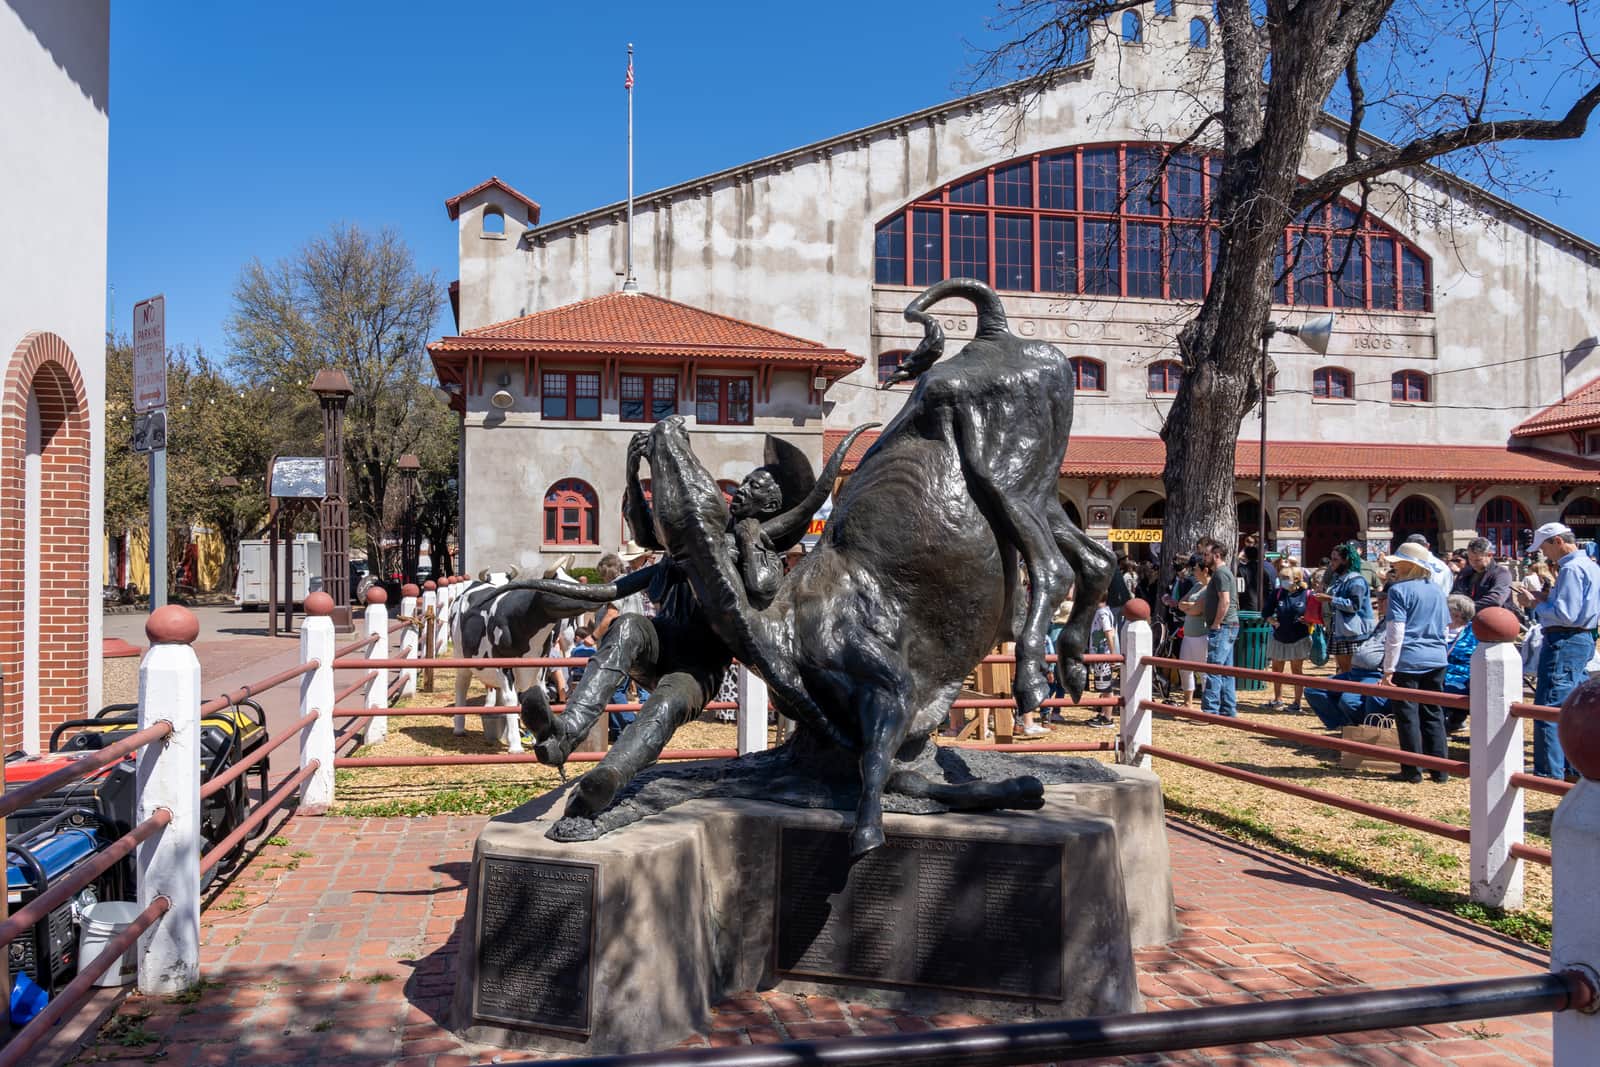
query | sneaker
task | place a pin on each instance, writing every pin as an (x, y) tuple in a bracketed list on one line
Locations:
[(1033, 730), (1273, 705), (1101, 722)]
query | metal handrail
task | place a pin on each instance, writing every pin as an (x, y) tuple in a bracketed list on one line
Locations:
[(1540, 712), (238, 770), (266, 808), (1338, 744), (357, 646), (1306, 681), (21, 797), (1541, 784), (350, 689), (1333, 800), (250, 689), (481, 709), (1141, 1033), (77, 991)]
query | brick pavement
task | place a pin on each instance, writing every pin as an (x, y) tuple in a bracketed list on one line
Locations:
[(339, 948)]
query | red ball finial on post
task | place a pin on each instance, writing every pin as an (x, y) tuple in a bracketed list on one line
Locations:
[(319, 604), (1495, 625), (1136, 610), (173, 624), (430, 586), (410, 590), (377, 595), (1579, 729)]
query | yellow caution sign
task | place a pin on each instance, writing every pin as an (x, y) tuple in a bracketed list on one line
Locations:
[(1135, 536)]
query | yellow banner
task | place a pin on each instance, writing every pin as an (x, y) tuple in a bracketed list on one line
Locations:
[(1135, 536)]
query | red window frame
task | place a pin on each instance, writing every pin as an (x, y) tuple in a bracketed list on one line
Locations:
[(1164, 377), (571, 513), (1409, 387), (569, 386), (889, 362), (1323, 380), (1503, 521), (915, 243), (1096, 374), (720, 387), (651, 388)]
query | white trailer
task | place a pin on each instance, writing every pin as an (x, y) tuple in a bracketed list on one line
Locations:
[(255, 568)]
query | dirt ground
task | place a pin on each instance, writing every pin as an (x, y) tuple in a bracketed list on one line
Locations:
[(1421, 865)]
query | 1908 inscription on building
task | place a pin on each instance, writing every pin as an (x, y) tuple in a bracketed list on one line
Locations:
[(535, 943), (982, 916)]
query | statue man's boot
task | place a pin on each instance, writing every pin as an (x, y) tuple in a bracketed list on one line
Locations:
[(675, 700), (555, 736)]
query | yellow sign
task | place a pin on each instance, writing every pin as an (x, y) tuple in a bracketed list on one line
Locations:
[(1135, 536)]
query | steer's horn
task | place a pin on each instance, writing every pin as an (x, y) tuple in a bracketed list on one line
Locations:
[(483, 575), (786, 530), (562, 564), (511, 574)]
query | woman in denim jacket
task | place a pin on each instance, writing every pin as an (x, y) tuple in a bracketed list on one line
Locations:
[(1347, 605)]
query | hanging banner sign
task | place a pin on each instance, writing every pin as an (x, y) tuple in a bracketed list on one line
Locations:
[(1148, 537)]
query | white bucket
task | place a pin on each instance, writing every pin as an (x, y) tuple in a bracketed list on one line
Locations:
[(101, 923)]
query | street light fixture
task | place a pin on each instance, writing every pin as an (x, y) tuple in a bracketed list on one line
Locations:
[(1315, 335)]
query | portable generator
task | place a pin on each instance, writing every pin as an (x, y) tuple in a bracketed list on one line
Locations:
[(39, 858)]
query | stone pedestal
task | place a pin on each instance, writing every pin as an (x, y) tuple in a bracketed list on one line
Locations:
[(623, 944)]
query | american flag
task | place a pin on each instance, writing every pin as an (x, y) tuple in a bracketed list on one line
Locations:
[(627, 83)]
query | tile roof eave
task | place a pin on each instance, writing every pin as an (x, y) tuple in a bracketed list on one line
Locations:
[(517, 347)]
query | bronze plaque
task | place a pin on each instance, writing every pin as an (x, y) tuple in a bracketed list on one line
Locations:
[(950, 913), (536, 947)]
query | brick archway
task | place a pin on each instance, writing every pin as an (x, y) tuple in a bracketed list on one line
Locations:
[(43, 367)]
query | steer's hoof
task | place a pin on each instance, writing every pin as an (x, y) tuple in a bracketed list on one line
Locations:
[(864, 839), (595, 792)]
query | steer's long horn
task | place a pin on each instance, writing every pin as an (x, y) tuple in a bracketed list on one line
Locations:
[(786, 530), (511, 574), (483, 575)]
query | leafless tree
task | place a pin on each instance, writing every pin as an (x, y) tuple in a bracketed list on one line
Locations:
[(1413, 83)]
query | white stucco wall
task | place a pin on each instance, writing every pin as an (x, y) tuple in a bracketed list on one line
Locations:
[(54, 83)]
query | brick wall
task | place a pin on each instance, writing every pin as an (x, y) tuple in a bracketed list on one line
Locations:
[(43, 365)]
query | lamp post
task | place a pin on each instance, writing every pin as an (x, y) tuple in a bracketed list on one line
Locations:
[(409, 466), (1314, 334), (333, 390)]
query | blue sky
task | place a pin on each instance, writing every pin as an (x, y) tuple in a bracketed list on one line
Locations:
[(241, 130)]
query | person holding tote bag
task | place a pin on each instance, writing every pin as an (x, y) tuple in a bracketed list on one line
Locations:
[(1346, 605)]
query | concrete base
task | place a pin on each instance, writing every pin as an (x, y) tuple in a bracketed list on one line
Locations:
[(685, 910)]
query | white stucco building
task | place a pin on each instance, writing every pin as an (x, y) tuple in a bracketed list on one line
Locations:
[(54, 62), (1459, 316)]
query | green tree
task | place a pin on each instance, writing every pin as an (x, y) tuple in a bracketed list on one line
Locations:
[(1446, 81), (352, 300)]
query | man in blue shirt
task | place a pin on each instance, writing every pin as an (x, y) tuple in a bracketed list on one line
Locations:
[(1567, 614), (1415, 618)]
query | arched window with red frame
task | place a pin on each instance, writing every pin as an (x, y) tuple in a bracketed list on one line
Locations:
[(1125, 219), (1089, 374), (1164, 377), (1333, 383), (571, 514), (1409, 387), (1505, 523)]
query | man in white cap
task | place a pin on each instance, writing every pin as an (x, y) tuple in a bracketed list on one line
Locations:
[(1567, 613)]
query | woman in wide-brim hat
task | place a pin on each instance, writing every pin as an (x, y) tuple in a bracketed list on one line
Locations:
[(1416, 619)]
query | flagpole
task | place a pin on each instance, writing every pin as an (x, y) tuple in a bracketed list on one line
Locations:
[(629, 282)]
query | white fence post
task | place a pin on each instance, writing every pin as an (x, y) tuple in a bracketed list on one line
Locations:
[(1496, 802), (1136, 683), (409, 636), (316, 694), (378, 688), (752, 713), (433, 605), (168, 777), (1575, 852)]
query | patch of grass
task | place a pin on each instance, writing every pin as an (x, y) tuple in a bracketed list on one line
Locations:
[(128, 1031), (279, 840), (377, 978), (235, 902), (487, 799), (323, 1027), (1415, 885), (193, 994), (300, 854)]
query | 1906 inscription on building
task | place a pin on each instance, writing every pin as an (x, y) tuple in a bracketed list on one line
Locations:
[(974, 915), (535, 943)]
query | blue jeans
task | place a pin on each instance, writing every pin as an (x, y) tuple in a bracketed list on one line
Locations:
[(1220, 696), (1563, 664)]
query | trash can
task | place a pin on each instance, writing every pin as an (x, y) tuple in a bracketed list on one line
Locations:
[(101, 923), (1250, 648)]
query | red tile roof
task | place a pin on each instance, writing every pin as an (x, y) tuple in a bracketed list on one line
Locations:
[(1133, 457), (643, 325), (452, 206), (1580, 411)]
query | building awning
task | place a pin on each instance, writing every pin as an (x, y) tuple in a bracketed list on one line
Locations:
[(1143, 457)]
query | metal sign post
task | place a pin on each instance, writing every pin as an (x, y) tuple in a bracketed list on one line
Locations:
[(150, 395)]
